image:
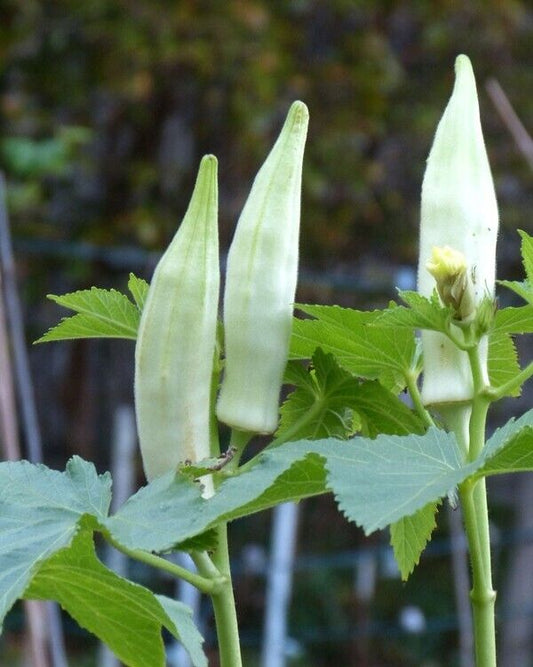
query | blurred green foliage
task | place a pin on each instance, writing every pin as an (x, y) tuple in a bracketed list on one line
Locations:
[(152, 85)]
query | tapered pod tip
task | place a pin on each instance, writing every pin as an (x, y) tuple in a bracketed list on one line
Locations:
[(465, 81), (298, 115), (299, 108), (209, 160), (463, 64), (208, 166), (206, 182)]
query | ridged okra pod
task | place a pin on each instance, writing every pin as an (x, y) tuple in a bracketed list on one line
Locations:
[(459, 214), (261, 283), (176, 339)]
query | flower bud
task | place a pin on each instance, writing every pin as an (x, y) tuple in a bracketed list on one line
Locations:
[(459, 210), (454, 284), (261, 283)]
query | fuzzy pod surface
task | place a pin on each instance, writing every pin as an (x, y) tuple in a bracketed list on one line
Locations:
[(176, 340), (261, 283), (458, 210)]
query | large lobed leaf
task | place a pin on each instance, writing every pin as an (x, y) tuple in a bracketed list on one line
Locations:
[(124, 615), (39, 514), (376, 482), (46, 551), (392, 479)]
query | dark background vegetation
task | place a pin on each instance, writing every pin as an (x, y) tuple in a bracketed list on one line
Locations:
[(106, 108)]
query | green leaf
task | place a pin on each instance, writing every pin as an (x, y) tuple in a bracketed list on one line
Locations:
[(513, 320), (502, 360), (383, 412), (39, 514), (502, 435), (376, 482), (323, 392), (421, 313), (160, 515), (138, 289), (510, 449), (101, 313), (523, 289), (124, 615), (184, 630), (332, 395), (207, 541), (516, 456), (526, 249), (410, 535), (386, 479), (170, 510), (358, 343)]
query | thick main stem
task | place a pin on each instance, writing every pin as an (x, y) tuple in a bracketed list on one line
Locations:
[(476, 517), (482, 595), (224, 606), (223, 598)]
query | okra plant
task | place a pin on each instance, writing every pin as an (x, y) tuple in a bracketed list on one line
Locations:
[(343, 428)]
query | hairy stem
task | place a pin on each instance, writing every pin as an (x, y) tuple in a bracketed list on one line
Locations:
[(223, 598), (495, 393), (204, 584), (414, 393), (482, 595), (224, 606), (476, 517)]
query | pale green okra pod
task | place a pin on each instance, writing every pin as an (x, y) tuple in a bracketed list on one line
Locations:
[(261, 284), (459, 211), (176, 340)]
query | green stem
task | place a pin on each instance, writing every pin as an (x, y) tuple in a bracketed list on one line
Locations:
[(224, 606), (465, 343), (222, 597), (287, 435), (482, 595), (204, 584), (238, 442), (480, 406), (476, 517), (205, 565), (414, 392), (495, 393), (298, 425)]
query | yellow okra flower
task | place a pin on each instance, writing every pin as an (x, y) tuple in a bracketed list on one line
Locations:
[(176, 340), (459, 211), (261, 283), (453, 281)]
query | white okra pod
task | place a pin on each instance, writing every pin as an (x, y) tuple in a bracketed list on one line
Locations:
[(176, 339), (261, 284), (459, 214)]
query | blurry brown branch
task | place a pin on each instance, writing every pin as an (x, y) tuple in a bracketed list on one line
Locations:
[(510, 119)]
